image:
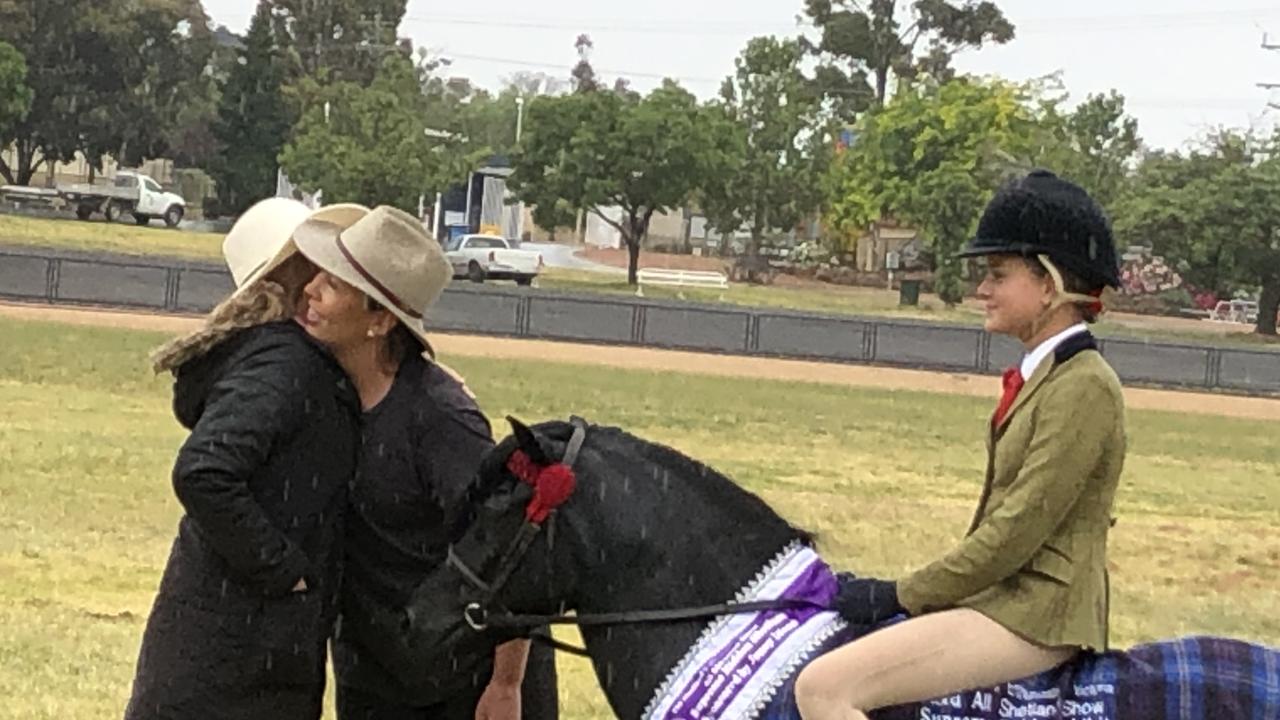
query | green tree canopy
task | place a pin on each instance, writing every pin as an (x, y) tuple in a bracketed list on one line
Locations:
[(369, 146), (1213, 212), (15, 97), (779, 145), (109, 77), (865, 44), (609, 152), (933, 156), (253, 121), (337, 40)]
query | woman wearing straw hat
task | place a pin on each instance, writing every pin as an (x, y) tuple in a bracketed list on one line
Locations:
[(1027, 588), (248, 597), (424, 438)]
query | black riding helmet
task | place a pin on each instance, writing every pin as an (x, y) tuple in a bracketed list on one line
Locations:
[(1042, 214)]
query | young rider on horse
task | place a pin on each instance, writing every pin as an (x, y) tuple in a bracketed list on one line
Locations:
[(1027, 588)]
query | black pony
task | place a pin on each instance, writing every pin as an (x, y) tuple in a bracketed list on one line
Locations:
[(648, 529)]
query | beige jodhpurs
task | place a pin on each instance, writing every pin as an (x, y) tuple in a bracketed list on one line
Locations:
[(923, 658)]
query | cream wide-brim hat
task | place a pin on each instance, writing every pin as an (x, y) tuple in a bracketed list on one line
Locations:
[(388, 256), (262, 238)]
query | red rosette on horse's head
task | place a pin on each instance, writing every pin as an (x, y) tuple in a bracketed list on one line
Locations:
[(552, 485)]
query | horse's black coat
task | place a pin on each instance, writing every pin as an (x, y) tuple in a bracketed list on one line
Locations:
[(647, 528)]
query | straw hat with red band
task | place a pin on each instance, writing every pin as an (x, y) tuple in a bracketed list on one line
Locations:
[(261, 239), (388, 256)]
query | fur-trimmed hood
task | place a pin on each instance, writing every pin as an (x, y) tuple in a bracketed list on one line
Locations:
[(264, 303)]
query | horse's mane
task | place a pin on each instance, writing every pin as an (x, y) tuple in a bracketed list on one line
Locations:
[(622, 449)]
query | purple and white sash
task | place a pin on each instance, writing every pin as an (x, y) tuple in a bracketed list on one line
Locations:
[(739, 663)]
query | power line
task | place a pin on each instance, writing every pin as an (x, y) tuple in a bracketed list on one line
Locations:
[(681, 26), (1204, 103), (566, 67), (1193, 19), (675, 27), (1270, 85)]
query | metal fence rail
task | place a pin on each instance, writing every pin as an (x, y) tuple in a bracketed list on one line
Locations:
[(161, 284)]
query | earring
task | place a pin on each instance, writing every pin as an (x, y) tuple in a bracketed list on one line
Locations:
[(370, 333)]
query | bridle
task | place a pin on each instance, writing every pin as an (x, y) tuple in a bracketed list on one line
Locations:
[(553, 485)]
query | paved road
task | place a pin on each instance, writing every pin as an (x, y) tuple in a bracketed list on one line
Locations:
[(562, 256)]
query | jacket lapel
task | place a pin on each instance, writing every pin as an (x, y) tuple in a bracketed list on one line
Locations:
[(1069, 348), (993, 436)]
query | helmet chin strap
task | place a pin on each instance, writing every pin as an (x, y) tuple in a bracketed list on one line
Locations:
[(1061, 297)]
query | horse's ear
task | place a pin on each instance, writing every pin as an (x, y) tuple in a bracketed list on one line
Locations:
[(527, 440)]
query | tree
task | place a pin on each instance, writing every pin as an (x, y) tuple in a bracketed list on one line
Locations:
[(369, 146), (190, 139), (253, 120), (877, 40), (584, 76), (172, 47), (469, 124), (15, 96), (337, 40), (1094, 145), (108, 76), (780, 144), (605, 152), (1212, 211), (933, 156), (69, 71)]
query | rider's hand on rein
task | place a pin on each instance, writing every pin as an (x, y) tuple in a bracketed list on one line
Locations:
[(866, 601)]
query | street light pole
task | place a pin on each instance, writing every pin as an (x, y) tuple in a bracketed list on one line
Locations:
[(519, 118)]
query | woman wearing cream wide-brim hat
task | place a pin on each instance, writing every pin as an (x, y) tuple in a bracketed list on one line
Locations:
[(261, 241), (249, 594), (424, 438)]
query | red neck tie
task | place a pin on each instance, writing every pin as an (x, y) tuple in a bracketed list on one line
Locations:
[(1013, 382)]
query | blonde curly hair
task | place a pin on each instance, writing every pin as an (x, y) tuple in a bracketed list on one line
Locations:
[(265, 302)]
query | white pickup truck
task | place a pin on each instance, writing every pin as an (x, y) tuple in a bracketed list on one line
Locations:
[(490, 257), (128, 192)]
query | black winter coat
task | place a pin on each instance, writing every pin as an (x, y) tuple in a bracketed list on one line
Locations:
[(263, 478)]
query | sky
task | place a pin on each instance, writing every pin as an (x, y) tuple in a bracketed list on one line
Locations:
[(1185, 66)]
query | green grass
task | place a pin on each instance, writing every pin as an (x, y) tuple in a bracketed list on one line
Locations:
[(888, 480), (103, 236)]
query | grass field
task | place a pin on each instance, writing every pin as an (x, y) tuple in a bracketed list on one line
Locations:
[(109, 237), (887, 479)]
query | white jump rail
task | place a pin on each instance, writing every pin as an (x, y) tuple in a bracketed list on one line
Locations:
[(680, 278)]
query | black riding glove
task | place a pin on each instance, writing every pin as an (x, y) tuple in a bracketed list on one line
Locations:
[(866, 601)]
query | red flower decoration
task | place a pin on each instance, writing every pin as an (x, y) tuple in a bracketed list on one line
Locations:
[(552, 485)]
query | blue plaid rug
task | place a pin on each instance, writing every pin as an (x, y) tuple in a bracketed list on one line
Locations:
[(1194, 678)]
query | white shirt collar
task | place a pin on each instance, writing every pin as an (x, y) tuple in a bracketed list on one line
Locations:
[(1031, 361)]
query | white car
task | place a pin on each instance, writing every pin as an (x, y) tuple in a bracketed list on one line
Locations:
[(490, 257)]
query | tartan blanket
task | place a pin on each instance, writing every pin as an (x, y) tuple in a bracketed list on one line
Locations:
[(1193, 678)]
